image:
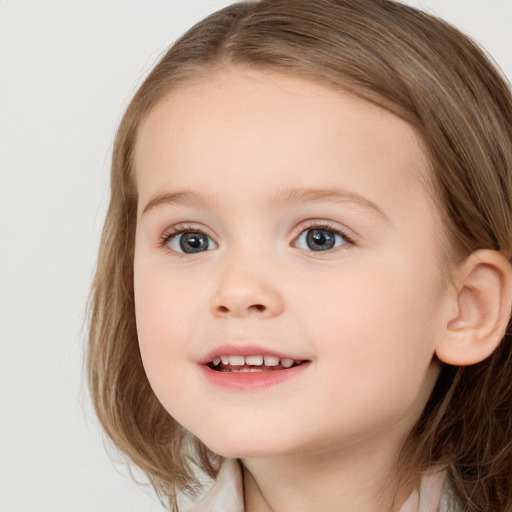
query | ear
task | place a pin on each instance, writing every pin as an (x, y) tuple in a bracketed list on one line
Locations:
[(482, 304)]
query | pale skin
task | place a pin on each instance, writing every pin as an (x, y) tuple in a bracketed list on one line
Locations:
[(253, 161)]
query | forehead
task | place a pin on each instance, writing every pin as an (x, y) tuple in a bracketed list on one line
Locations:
[(272, 127)]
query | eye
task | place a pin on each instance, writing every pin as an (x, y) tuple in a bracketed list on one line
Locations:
[(321, 239), (190, 242)]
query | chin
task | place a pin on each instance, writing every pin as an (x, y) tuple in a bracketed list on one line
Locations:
[(243, 447)]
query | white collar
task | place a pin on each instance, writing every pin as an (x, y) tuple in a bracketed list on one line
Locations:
[(227, 495)]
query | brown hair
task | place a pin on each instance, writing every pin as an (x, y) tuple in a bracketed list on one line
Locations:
[(419, 68)]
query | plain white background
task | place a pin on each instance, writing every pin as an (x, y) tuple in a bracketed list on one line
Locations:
[(67, 71)]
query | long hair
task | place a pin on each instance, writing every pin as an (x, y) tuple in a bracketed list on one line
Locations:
[(415, 66)]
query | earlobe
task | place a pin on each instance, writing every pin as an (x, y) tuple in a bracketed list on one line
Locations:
[(483, 308)]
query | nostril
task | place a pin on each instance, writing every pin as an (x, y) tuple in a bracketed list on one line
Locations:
[(254, 307)]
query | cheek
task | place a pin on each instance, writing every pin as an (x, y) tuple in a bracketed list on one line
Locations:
[(374, 342), (163, 315), (166, 315), (374, 319)]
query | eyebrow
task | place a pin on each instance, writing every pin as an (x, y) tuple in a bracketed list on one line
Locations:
[(285, 197), (174, 198), (292, 196)]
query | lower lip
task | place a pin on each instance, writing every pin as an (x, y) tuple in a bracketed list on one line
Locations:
[(252, 381)]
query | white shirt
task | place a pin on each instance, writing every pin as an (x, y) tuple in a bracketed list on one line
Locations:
[(227, 495)]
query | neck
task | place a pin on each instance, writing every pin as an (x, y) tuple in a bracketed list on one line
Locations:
[(344, 480)]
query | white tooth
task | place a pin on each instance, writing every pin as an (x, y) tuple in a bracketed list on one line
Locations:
[(287, 362), (254, 360), (224, 359), (236, 360), (216, 361), (271, 361)]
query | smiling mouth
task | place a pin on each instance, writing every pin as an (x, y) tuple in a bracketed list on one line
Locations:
[(252, 364)]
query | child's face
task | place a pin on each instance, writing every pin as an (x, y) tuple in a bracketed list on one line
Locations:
[(310, 237)]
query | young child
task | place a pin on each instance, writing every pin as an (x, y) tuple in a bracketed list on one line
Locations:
[(304, 282)]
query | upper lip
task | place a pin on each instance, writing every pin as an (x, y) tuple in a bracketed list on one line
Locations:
[(245, 350)]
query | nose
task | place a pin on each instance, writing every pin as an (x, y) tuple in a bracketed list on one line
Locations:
[(242, 292)]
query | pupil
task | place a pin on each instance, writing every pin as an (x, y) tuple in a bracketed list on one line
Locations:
[(193, 242), (320, 239)]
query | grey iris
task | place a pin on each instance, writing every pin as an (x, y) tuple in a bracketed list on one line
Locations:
[(320, 239), (193, 242)]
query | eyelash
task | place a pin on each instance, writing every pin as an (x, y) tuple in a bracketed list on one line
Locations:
[(180, 229), (328, 227)]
